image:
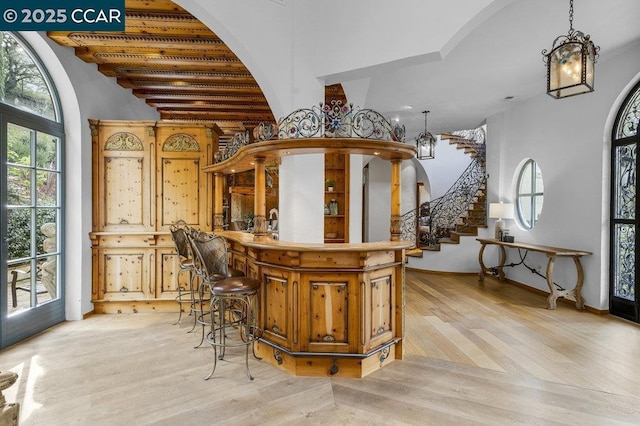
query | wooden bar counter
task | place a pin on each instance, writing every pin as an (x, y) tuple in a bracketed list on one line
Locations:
[(326, 309)]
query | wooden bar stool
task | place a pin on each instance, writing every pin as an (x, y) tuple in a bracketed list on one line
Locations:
[(202, 311), (233, 303), (186, 263)]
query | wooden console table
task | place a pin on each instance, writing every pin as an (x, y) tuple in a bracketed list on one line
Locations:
[(574, 294)]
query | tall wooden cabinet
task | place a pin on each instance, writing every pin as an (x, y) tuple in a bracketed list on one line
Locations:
[(146, 176), (336, 219)]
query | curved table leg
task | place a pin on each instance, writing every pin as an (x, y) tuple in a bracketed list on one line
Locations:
[(553, 291), (579, 282), (482, 267), (575, 294), (500, 267), (503, 259)]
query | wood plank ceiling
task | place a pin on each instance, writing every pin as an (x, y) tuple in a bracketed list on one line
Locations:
[(177, 64)]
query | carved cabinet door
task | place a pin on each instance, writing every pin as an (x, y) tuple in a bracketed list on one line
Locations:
[(329, 314), (185, 193), (122, 176), (379, 307), (125, 274), (279, 313)]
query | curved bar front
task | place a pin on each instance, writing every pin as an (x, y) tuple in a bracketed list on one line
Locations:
[(326, 309)]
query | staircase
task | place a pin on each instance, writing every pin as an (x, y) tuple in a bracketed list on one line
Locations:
[(462, 210), (475, 217)]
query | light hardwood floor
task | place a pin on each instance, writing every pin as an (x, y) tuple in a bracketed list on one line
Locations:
[(475, 354)]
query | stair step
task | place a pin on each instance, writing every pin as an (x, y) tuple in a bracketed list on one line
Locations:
[(415, 252), (464, 230), (476, 215), (448, 241), (435, 248), (477, 226), (474, 222)]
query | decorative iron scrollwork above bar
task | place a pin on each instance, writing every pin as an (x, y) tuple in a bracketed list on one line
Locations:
[(338, 120), (335, 121), (273, 150)]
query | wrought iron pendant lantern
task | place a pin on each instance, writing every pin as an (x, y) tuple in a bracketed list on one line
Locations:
[(570, 64), (426, 142)]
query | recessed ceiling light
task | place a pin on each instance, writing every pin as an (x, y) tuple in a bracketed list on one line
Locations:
[(408, 107)]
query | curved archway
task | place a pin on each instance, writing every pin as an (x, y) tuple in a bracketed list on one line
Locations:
[(624, 219), (33, 211)]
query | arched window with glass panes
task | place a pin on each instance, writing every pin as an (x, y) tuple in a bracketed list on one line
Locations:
[(31, 209), (623, 286)]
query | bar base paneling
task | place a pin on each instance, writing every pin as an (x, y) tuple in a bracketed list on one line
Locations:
[(326, 309), (326, 365)]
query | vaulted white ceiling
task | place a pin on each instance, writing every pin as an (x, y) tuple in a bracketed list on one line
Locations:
[(499, 58), (460, 59)]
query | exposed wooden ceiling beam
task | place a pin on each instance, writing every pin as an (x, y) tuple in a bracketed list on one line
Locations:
[(221, 89), (137, 83), (194, 97), (209, 106), (176, 64), (137, 73), (105, 42), (219, 115)]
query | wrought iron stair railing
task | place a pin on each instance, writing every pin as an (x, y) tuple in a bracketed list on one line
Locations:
[(434, 220)]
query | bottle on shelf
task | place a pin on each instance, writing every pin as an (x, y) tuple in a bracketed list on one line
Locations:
[(333, 206)]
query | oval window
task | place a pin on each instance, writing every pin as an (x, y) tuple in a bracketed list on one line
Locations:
[(529, 195)]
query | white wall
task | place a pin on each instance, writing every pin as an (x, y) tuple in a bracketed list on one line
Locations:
[(447, 166), (84, 94), (409, 188), (378, 196), (570, 140), (355, 198), (302, 199)]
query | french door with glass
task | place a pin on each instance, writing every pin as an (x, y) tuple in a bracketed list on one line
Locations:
[(30, 226)]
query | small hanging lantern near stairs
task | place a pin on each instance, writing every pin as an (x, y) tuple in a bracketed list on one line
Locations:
[(426, 142)]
